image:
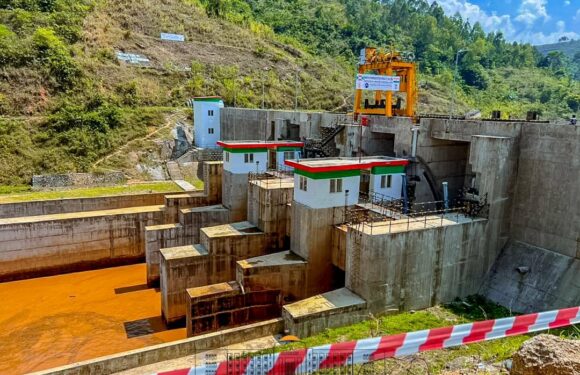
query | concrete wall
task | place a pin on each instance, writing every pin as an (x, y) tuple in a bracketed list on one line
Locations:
[(546, 211), (225, 305), (339, 246), (195, 218), (51, 244), (177, 349), (235, 195), (184, 219), (418, 268), (181, 268), (158, 237), (67, 205), (316, 314), (529, 279), (311, 238), (243, 124), (185, 232), (269, 207), (284, 271)]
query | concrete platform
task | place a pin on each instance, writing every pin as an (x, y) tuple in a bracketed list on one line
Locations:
[(181, 268), (415, 223), (80, 215), (284, 271), (328, 310), (235, 229)]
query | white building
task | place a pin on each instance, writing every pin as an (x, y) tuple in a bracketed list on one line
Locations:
[(206, 120), (242, 157), (335, 182)]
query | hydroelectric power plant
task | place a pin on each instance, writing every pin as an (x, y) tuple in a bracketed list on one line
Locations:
[(307, 221)]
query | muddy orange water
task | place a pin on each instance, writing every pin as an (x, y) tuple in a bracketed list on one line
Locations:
[(53, 321)]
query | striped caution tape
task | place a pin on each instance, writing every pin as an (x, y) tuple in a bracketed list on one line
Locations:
[(372, 349)]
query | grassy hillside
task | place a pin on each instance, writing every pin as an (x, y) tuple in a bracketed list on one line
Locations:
[(66, 101)]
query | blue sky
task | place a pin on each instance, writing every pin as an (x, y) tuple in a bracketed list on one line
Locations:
[(532, 21)]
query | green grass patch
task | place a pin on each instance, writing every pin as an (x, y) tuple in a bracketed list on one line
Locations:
[(141, 188), (473, 308)]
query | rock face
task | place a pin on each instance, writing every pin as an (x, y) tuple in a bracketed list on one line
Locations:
[(547, 355)]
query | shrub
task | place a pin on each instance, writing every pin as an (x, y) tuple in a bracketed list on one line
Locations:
[(53, 54)]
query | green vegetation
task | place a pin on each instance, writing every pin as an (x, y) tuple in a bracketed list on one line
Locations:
[(66, 101), (473, 308), (23, 194)]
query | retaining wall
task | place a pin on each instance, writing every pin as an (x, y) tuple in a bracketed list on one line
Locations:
[(53, 244), (153, 354), (66, 205)]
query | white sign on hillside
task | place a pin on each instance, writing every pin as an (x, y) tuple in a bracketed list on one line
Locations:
[(376, 82), (173, 37)]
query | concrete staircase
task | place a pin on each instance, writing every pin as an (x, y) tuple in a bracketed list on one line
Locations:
[(174, 171)]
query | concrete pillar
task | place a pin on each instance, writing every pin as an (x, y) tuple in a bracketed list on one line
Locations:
[(158, 237), (494, 161), (181, 268), (311, 239), (235, 195), (269, 206)]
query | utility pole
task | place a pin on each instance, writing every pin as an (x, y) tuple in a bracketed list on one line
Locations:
[(296, 91), (452, 109), (263, 89)]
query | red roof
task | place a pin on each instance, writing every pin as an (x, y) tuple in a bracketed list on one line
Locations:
[(309, 165), (256, 144)]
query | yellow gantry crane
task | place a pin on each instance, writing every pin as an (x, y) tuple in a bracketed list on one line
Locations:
[(385, 73)]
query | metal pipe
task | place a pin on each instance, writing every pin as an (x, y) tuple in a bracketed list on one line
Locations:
[(415, 131), (446, 195)]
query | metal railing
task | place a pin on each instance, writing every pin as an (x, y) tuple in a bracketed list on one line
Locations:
[(378, 212), (281, 172)]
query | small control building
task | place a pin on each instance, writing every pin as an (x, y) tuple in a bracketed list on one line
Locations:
[(336, 182), (244, 157), (206, 121)]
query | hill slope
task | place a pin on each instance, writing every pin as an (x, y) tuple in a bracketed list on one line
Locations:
[(66, 100), (569, 48)]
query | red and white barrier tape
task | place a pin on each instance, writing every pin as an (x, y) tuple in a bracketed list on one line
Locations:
[(372, 349)]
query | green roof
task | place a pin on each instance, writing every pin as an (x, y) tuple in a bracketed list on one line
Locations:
[(208, 99)]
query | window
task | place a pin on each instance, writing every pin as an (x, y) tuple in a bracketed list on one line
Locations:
[(336, 185), (248, 158), (210, 112), (303, 183), (288, 155), (386, 181), (227, 156), (210, 131)]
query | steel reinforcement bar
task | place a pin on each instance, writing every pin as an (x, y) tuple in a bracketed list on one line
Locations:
[(305, 361)]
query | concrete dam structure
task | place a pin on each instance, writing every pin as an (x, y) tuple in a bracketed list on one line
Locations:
[(388, 217)]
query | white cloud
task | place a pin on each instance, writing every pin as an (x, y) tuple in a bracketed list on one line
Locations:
[(541, 38), (504, 23), (473, 13), (566, 3), (532, 10)]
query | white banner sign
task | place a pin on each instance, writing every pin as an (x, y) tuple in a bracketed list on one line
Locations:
[(173, 37), (133, 58), (375, 82)]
